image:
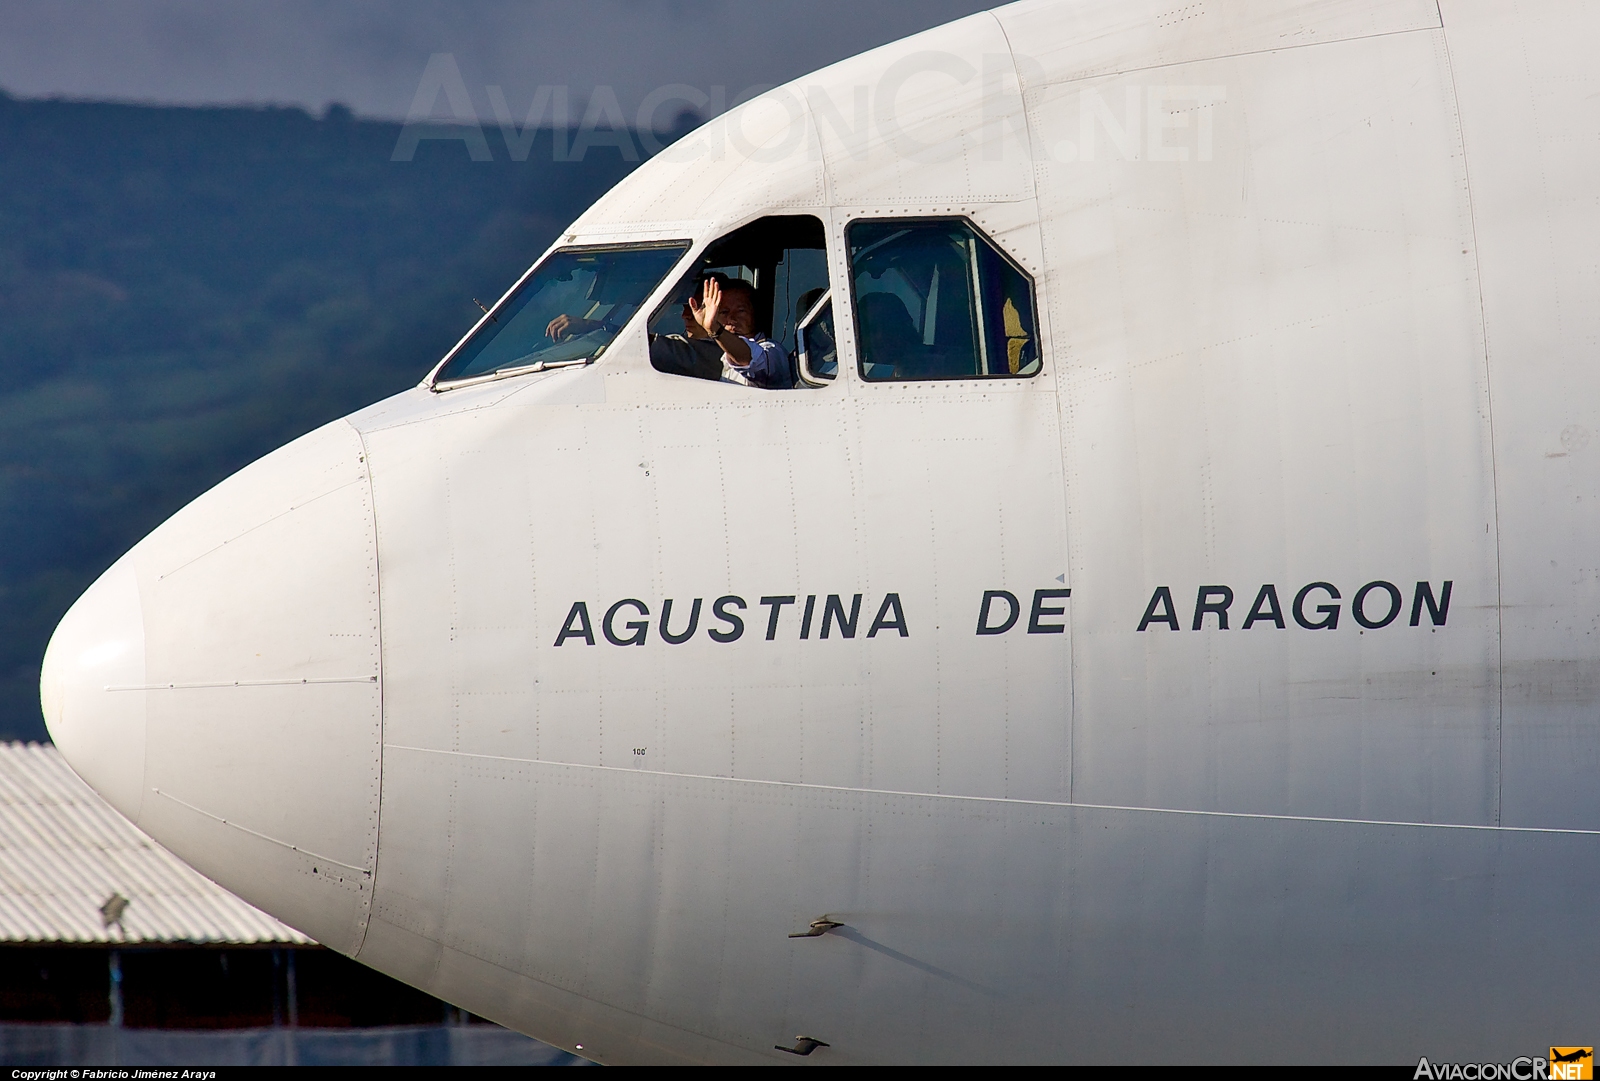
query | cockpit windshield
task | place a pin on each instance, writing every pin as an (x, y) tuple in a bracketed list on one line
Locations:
[(567, 311)]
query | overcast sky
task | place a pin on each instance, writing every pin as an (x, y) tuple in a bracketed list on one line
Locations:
[(370, 54)]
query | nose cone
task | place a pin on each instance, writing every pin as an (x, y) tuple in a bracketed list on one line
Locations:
[(92, 688), (220, 685)]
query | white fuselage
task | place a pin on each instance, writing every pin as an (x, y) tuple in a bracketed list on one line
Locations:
[(1316, 288)]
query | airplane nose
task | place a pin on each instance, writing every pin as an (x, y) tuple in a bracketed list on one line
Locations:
[(93, 662), (221, 685)]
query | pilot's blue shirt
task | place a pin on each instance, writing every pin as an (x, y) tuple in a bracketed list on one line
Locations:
[(768, 366)]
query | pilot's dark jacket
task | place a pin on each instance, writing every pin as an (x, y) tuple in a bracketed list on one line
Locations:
[(702, 358)]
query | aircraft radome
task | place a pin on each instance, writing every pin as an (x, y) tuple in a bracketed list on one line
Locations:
[(1160, 624)]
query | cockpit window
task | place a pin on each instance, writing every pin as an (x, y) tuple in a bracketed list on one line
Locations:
[(566, 312), (772, 271), (937, 300)]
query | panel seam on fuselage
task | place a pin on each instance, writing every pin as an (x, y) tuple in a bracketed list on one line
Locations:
[(264, 522), (1047, 364), (1494, 457), (991, 799), (286, 682), (377, 620), (262, 836)]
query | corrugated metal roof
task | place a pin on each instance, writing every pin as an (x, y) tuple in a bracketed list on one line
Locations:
[(64, 852)]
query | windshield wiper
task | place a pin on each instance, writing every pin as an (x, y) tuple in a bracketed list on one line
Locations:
[(546, 365), (507, 373)]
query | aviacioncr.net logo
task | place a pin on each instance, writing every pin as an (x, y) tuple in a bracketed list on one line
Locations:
[(1562, 1064)]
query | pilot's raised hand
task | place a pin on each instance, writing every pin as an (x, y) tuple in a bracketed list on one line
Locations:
[(709, 308), (567, 326), (708, 313)]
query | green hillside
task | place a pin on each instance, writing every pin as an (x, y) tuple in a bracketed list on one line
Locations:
[(182, 290)]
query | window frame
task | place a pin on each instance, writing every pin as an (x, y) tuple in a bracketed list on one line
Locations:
[(802, 350), (434, 384), (979, 315)]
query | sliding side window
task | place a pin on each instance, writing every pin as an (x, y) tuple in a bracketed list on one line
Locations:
[(938, 300), (782, 261)]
